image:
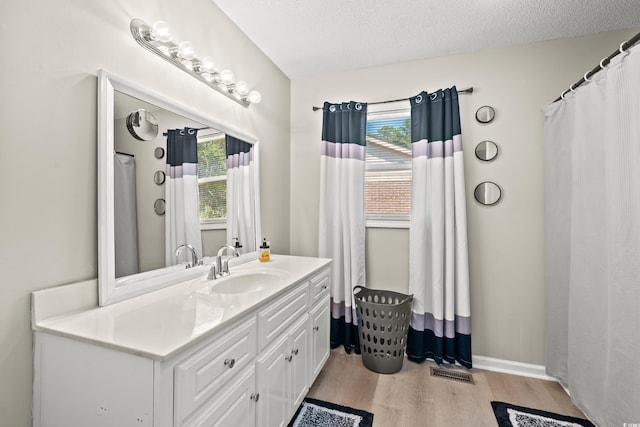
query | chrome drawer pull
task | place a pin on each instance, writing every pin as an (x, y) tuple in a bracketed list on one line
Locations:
[(229, 363), (288, 358), (255, 396), (294, 351), (315, 328)]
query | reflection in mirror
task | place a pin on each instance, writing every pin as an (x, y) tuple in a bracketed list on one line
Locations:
[(142, 125), (486, 151), (487, 193), (159, 177), (155, 211)]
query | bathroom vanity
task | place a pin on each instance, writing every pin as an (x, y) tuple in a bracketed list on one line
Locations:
[(241, 350)]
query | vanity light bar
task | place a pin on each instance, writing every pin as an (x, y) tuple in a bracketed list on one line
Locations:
[(157, 39)]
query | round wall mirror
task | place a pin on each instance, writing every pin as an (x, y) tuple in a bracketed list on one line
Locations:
[(486, 151), (485, 114), (159, 177), (142, 125), (158, 206), (487, 193), (158, 152)]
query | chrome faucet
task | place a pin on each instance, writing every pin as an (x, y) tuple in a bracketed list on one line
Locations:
[(194, 255), (220, 267)]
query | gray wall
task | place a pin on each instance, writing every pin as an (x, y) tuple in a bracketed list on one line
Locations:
[(505, 241), (48, 231)]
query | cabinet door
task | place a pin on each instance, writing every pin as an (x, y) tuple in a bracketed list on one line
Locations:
[(299, 362), (273, 386), (319, 337), (233, 406)]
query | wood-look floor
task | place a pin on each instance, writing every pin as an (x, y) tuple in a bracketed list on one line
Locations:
[(412, 398)]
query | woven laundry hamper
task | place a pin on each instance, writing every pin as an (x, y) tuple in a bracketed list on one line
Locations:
[(383, 324)]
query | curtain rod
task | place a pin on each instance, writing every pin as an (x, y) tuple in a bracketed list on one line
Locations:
[(467, 90), (603, 64)]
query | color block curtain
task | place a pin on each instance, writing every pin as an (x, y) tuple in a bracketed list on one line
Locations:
[(182, 211), (241, 220), (342, 227), (592, 243), (440, 326)]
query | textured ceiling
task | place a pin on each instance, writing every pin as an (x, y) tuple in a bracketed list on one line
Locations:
[(311, 37)]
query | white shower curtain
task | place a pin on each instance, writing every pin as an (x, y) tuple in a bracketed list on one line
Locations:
[(125, 215), (592, 243), (182, 211), (241, 200)]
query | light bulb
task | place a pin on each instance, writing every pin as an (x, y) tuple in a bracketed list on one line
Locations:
[(185, 50), (160, 31), (207, 65), (208, 77), (254, 97), (227, 77), (165, 50), (187, 64), (242, 88)]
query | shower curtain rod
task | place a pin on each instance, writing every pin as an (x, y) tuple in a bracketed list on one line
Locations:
[(603, 64), (467, 90)]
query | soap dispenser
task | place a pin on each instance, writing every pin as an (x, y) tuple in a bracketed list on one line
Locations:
[(265, 252)]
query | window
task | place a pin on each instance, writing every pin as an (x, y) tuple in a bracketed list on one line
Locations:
[(212, 181), (388, 169)]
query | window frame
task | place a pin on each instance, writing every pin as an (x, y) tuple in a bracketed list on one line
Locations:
[(212, 223), (388, 220)]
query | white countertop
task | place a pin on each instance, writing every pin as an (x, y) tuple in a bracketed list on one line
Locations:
[(159, 324)]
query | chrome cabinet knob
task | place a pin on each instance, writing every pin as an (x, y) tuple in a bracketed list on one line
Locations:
[(229, 363), (255, 397)]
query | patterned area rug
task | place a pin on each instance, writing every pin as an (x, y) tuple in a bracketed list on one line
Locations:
[(517, 416), (316, 413)]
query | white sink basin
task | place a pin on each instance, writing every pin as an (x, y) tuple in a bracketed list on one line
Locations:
[(246, 282)]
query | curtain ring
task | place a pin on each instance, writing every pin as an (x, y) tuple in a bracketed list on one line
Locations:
[(622, 51), (332, 108), (433, 96), (349, 106), (562, 94), (419, 99), (191, 131), (181, 132), (571, 88), (585, 77), (602, 67), (358, 106)]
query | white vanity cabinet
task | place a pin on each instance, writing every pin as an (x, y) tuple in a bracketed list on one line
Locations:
[(254, 370)]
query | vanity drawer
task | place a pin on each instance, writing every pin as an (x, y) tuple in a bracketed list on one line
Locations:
[(319, 286), (276, 318), (203, 374)]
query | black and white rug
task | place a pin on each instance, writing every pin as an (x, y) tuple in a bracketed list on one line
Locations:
[(509, 415), (317, 413)]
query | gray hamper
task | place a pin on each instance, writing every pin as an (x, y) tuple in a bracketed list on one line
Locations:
[(383, 324)]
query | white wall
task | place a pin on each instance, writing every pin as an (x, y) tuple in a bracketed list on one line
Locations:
[(506, 240), (52, 51)]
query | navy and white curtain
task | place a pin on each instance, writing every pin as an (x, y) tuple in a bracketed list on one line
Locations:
[(241, 201), (440, 326), (182, 210), (342, 226), (592, 242)]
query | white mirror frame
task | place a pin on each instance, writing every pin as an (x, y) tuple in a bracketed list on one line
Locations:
[(110, 288)]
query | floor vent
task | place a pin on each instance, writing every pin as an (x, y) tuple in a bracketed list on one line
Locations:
[(463, 377)]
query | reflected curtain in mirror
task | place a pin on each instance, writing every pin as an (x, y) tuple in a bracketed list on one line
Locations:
[(182, 215), (241, 221), (438, 253), (342, 226), (125, 215)]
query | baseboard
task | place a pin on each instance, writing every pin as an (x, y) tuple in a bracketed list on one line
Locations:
[(511, 367)]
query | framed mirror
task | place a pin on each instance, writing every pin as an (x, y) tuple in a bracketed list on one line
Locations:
[(486, 151), (485, 114), (487, 193), (154, 269)]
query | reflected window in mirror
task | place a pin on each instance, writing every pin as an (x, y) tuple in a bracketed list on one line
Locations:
[(212, 180)]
